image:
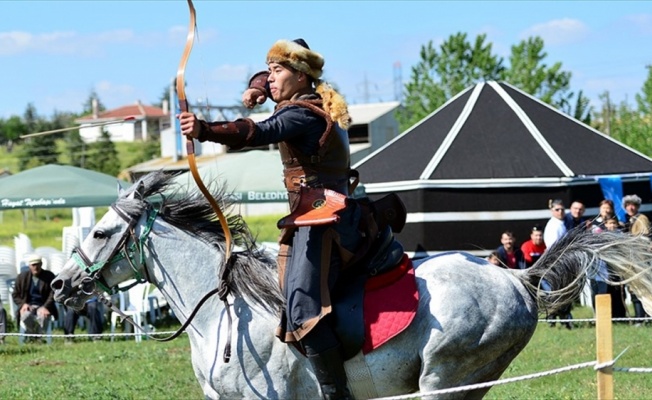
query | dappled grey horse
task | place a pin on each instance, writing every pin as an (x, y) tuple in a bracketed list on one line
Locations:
[(473, 318)]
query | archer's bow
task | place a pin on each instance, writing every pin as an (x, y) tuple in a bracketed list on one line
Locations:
[(192, 163), (190, 144)]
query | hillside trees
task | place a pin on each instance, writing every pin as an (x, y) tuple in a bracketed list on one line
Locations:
[(627, 124), (38, 150), (103, 156)]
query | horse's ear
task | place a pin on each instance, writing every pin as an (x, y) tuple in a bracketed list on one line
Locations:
[(120, 189), (140, 189)]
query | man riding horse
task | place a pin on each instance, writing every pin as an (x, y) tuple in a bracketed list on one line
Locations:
[(320, 236)]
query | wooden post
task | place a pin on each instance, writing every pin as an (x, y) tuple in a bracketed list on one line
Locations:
[(604, 346)]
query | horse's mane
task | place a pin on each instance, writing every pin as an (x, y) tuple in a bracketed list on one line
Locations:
[(253, 274)]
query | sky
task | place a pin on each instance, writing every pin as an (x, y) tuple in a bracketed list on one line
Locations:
[(53, 54)]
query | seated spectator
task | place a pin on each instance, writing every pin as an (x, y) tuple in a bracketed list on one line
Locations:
[(510, 257), (575, 217), (93, 310), (533, 249), (34, 297)]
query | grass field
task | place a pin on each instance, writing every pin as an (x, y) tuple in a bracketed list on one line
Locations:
[(125, 369)]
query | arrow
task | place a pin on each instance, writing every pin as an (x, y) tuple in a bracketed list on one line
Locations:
[(118, 121)]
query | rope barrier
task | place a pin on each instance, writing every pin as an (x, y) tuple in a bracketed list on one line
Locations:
[(88, 335), (493, 383), (646, 319)]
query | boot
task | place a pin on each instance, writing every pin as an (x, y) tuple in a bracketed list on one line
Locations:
[(328, 367)]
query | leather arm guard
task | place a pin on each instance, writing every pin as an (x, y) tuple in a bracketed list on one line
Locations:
[(236, 134), (259, 81)]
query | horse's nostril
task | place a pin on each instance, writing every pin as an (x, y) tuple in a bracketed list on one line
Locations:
[(87, 286), (57, 284)]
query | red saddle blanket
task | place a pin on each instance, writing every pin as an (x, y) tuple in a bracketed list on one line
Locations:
[(390, 304)]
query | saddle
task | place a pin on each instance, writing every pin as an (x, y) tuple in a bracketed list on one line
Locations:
[(373, 307)]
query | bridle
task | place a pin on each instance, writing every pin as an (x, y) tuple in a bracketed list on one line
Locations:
[(123, 250)]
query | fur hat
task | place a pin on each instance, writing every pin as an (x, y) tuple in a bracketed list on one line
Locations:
[(297, 55), (631, 199)]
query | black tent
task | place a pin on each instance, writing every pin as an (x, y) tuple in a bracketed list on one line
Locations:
[(489, 160)]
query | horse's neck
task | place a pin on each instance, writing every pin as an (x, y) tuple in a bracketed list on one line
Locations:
[(183, 267)]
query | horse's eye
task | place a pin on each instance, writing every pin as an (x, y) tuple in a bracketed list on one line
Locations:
[(99, 235)]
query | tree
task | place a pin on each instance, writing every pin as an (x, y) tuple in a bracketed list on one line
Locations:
[(644, 99), (74, 149), (624, 123), (442, 74), (458, 64), (88, 104), (529, 73), (38, 150), (581, 110), (103, 156), (11, 130)]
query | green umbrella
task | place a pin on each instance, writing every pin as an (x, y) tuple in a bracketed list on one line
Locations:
[(58, 186), (254, 176)]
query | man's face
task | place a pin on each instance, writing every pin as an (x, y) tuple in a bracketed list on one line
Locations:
[(507, 241), (577, 209), (35, 268), (631, 208), (537, 237), (558, 211), (284, 82)]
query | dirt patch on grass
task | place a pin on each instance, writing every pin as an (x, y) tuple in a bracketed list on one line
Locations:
[(45, 363)]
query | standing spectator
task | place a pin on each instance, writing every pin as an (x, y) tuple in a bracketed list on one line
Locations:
[(555, 227), (92, 309), (554, 230), (575, 217), (606, 212), (636, 224), (510, 256), (533, 248), (34, 297), (617, 292)]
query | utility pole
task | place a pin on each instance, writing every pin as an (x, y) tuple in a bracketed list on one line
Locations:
[(365, 89), (398, 82)]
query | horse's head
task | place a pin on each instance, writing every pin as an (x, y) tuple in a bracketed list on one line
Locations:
[(110, 254)]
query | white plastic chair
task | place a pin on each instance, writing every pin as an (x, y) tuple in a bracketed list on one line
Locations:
[(8, 256), (134, 303), (23, 246)]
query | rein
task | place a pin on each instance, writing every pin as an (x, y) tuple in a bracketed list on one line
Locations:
[(125, 251)]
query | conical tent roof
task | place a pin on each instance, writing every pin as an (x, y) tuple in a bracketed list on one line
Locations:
[(493, 132)]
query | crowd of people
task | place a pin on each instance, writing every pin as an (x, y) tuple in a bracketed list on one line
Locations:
[(509, 255)]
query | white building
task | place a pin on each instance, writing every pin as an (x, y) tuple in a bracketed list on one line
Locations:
[(130, 123)]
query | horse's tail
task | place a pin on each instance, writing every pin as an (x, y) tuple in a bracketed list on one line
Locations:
[(558, 278)]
